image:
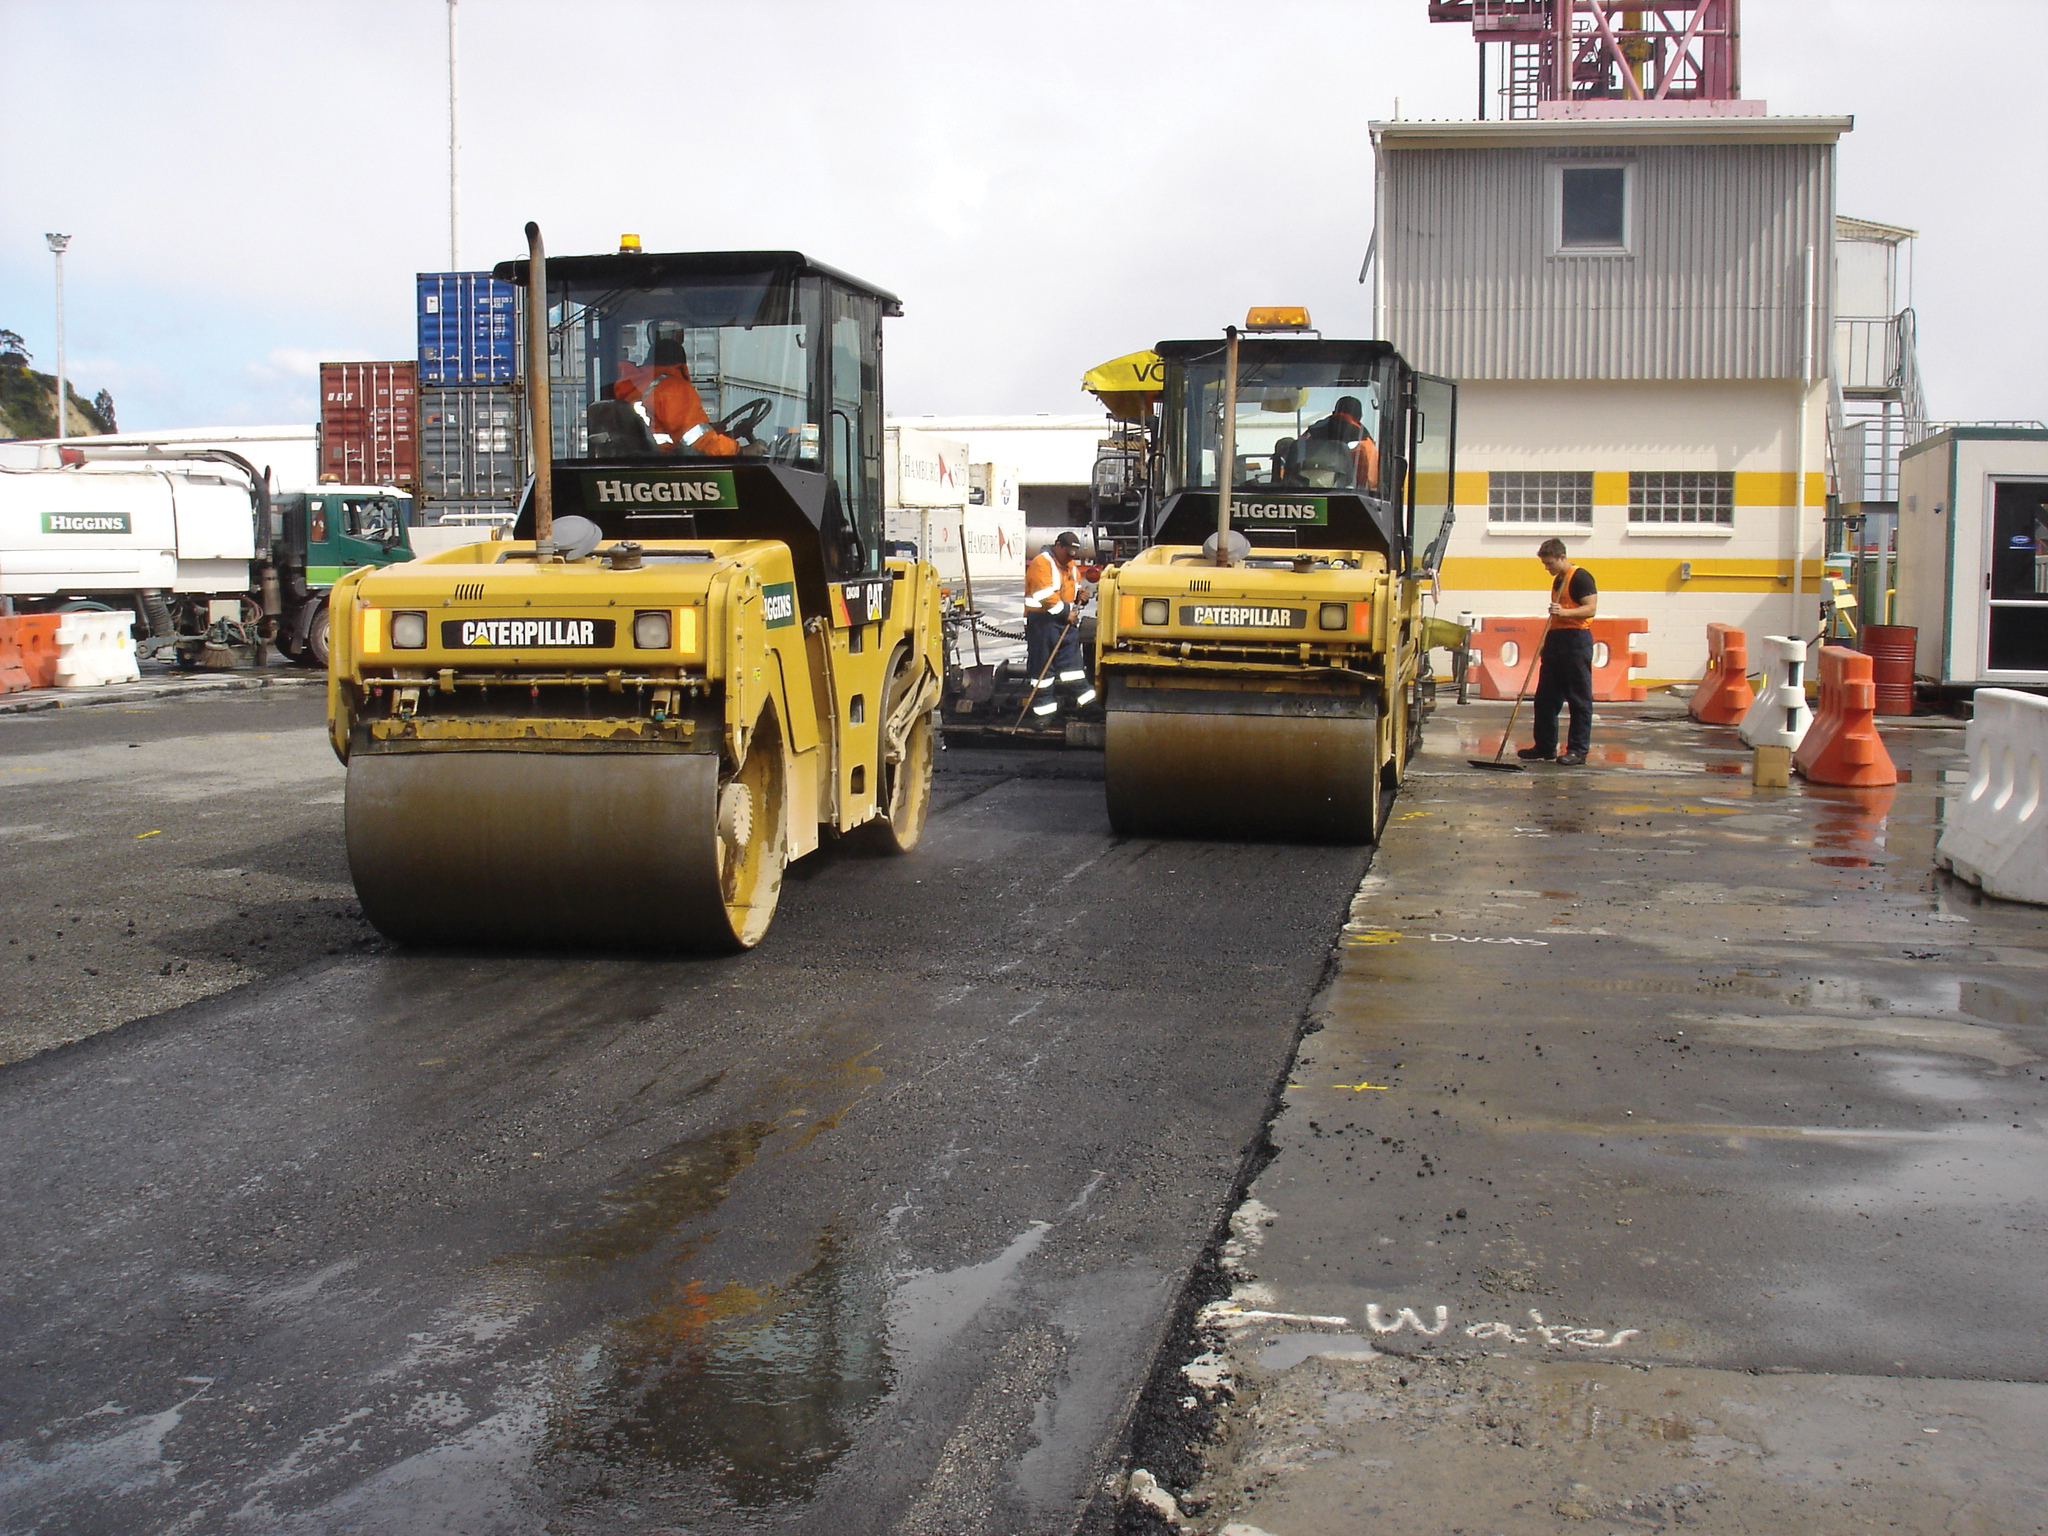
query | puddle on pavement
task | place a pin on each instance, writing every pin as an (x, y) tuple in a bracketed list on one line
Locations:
[(755, 1391), (931, 1306), (683, 1181)]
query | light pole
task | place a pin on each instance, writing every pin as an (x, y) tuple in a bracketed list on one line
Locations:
[(454, 206), (57, 244)]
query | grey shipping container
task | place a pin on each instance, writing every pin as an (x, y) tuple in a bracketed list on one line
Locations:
[(472, 443)]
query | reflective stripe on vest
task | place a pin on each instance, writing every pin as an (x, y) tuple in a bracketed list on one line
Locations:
[(1047, 589)]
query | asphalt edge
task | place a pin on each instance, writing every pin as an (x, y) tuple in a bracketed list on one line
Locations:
[(1159, 1433)]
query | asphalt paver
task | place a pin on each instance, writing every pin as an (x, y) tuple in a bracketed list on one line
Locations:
[(1668, 1157), (878, 1227)]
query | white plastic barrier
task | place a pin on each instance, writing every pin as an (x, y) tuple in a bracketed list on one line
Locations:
[(94, 649), (1779, 715), (1996, 832)]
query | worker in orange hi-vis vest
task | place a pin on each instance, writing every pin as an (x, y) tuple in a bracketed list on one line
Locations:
[(1346, 424), (674, 408), (1053, 599), (1567, 675)]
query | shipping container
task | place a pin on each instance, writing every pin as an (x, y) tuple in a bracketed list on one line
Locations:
[(469, 328), (369, 429), (472, 443)]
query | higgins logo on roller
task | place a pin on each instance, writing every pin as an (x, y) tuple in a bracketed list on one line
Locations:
[(778, 604), (527, 634), (85, 522), (1309, 511), (658, 491), (1244, 616)]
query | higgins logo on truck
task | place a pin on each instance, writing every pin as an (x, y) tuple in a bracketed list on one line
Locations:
[(778, 604), (86, 522), (661, 491)]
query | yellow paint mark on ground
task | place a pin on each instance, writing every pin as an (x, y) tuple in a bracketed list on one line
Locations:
[(1362, 1087), (141, 835), (1375, 936)]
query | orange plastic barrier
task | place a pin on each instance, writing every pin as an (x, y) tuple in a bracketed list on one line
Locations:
[(28, 652), (1501, 651), (1611, 682), (1724, 695), (1842, 745)]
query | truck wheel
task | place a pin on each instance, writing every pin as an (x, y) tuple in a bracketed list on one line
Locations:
[(315, 653)]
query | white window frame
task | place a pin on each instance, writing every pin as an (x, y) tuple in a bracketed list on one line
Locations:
[(1546, 525), (1557, 168)]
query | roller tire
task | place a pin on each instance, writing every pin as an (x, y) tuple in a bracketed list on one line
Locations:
[(906, 785)]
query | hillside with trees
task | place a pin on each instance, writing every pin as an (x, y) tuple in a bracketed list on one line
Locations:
[(28, 399)]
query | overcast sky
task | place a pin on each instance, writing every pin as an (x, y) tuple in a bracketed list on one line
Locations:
[(251, 184)]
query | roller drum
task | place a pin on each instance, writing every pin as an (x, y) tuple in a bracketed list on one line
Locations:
[(1291, 778), (562, 850)]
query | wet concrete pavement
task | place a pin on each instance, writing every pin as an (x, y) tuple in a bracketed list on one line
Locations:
[(877, 1228), (1670, 1155)]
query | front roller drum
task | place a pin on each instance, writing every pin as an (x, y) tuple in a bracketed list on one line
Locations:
[(543, 850), (1231, 777)]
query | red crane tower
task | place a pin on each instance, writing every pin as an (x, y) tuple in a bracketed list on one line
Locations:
[(1604, 50)]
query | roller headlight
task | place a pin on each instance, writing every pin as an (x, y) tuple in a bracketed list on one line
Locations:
[(408, 630), (653, 629), (1333, 616), (1154, 610)]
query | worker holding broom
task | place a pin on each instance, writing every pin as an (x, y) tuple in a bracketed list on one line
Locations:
[(1052, 635), (1567, 675)]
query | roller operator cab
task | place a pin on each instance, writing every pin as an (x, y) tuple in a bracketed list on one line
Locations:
[(618, 736), (1278, 692)]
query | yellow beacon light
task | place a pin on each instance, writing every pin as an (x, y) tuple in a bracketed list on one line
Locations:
[(1277, 317), (629, 243)]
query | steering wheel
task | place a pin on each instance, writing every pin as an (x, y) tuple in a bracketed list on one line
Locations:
[(741, 422)]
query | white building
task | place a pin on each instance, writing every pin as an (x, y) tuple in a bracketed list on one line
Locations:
[(1637, 311)]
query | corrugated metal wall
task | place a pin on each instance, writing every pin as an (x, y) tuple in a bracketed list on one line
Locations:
[(1714, 287)]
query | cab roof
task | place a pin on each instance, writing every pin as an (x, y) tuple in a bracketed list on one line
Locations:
[(628, 267), (1255, 348)]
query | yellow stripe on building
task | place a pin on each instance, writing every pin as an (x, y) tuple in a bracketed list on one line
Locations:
[(1522, 573)]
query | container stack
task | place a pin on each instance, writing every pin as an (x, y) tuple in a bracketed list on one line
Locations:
[(472, 438)]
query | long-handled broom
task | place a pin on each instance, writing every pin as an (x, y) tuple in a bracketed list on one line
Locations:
[(1497, 763)]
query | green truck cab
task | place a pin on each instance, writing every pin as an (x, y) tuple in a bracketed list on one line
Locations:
[(320, 536)]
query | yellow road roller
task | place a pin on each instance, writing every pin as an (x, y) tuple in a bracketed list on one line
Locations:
[(690, 662), (1262, 662)]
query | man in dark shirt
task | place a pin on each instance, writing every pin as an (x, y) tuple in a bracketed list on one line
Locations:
[(1567, 675)]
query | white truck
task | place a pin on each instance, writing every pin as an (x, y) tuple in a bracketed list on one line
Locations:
[(189, 539)]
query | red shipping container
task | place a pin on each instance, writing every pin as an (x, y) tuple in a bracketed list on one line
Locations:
[(369, 423)]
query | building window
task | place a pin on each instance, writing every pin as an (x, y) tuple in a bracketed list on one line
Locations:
[(1683, 496), (1540, 497), (1592, 208)]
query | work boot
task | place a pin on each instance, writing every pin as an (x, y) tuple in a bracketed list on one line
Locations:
[(1537, 755), (1572, 760)]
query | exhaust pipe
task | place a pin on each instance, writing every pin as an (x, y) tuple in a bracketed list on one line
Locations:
[(539, 400)]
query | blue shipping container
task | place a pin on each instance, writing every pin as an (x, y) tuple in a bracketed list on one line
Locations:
[(469, 329)]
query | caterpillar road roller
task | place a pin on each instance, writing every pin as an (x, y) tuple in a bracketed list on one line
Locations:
[(689, 664), (1262, 659)]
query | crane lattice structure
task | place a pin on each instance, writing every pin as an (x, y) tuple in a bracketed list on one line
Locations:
[(1603, 50)]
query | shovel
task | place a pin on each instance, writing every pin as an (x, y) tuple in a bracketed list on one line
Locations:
[(1497, 763)]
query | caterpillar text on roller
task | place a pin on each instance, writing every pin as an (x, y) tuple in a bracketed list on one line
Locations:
[(1262, 659), (690, 662)]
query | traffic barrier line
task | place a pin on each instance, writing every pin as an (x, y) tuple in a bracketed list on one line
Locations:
[(1995, 834), (95, 649), (1842, 745), (1724, 695), (1780, 715), (1500, 653), (1614, 657)]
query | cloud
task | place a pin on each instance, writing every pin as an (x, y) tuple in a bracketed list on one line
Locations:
[(304, 363)]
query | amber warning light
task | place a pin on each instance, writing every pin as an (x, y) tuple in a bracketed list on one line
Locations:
[(1277, 317)]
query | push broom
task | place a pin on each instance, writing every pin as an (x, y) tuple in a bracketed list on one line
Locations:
[(1498, 763)]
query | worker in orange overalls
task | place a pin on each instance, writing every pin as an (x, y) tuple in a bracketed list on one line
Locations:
[(1052, 635), (674, 408), (1346, 424)]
